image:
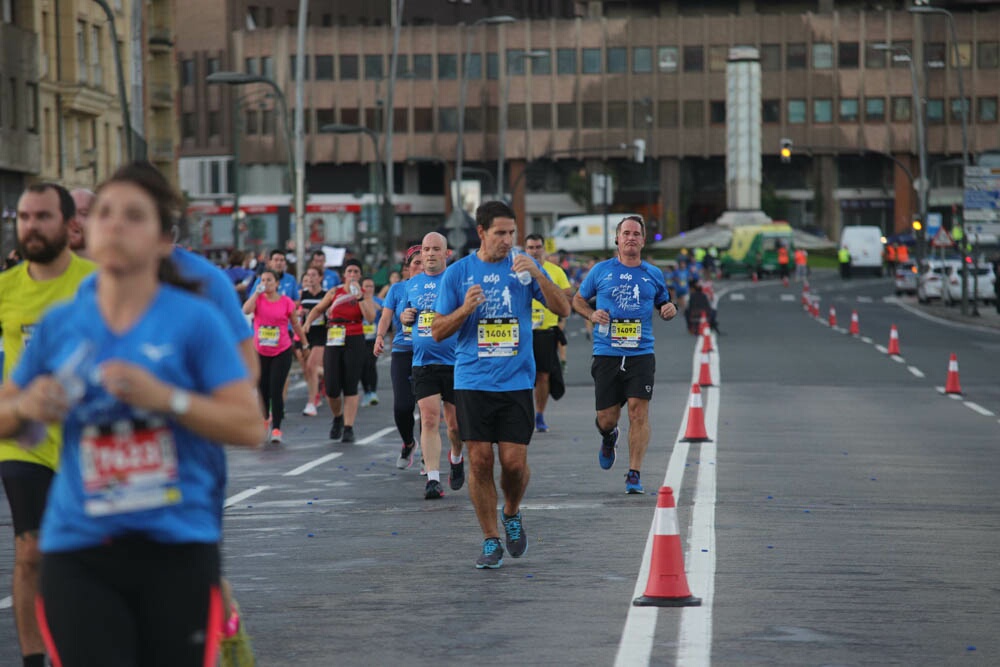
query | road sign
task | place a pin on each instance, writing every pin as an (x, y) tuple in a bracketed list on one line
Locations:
[(982, 194), (941, 239), (932, 224)]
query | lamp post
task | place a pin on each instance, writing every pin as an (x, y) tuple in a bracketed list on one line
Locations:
[(918, 110), (502, 121), (926, 9), (130, 143), (338, 128)]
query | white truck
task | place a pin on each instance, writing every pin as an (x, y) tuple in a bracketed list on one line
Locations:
[(865, 245), (586, 233)]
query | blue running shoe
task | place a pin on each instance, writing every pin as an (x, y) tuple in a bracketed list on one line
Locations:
[(632, 484), (492, 556), (609, 443), (517, 540), (540, 424)]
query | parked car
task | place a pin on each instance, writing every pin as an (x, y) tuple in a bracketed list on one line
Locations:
[(906, 277), (980, 284), (930, 279)]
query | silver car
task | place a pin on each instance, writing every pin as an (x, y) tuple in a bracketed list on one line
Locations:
[(930, 280), (906, 277), (981, 283)]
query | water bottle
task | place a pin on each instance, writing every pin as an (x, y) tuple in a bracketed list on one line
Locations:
[(524, 277), (603, 329), (355, 290)]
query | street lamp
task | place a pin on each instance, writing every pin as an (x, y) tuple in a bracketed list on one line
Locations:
[(926, 9), (130, 144), (502, 121), (918, 110)]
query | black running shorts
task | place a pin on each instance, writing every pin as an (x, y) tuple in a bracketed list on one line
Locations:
[(27, 487), (434, 379), (495, 416), (545, 344), (617, 379)]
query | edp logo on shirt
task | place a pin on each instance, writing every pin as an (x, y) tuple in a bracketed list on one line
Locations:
[(492, 279)]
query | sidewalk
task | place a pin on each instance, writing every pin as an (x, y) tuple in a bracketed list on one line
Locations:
[(988, 315)]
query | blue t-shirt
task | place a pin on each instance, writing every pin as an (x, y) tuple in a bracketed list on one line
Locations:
[(421, 293), (370, 328), (494, 349), (681, 280), (178, 477), (395, 300), (214, 287), (287, 286), (629, 294), (330, 279)]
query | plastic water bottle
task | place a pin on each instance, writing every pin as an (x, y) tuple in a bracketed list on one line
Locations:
[(355, 290), (524, 277), (603, 329)]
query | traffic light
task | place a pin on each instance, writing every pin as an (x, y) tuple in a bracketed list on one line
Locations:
[(918, 231), (640, 149), (786, 150)]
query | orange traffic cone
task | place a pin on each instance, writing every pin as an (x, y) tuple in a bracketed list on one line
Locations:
[(894, 341), (951, 385), (705, 375), (815, 308), (754, 276), (706, 337), (855, 329), (695, 431), (833, 317), (667, 584)]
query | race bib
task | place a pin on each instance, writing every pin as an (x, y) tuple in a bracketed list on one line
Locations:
[(498, 337), (625, 333), (424, 322), (537, 314), (407, 330), (368, 330), (268, 336), (128, 466), (336, 335)]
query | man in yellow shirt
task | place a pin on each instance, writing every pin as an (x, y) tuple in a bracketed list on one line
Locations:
[(49, 275), (545, 330)]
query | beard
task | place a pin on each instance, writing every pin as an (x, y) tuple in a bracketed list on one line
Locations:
[(48, 250)]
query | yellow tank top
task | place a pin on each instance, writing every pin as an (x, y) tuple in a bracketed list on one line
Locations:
[(23, 301)]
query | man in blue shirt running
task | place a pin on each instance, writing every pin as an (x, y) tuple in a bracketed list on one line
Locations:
[(486, 298), (628, 291)]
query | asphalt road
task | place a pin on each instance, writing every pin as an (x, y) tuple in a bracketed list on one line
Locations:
[(846, 513)]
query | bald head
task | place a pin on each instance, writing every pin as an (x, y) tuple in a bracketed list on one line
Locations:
[(83, 198), (434, 252)]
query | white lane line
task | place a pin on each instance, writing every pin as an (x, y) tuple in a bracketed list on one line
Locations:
[(7, 602), (841, 330), (243, 495), (898, 359), (333, 455), (737, 297), (864, 299), (916, 371), (975, 407), (954, 397), (883, 350), (788, 297), (866, 339)]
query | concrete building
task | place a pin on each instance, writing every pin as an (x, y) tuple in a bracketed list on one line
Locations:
[(591, 77)]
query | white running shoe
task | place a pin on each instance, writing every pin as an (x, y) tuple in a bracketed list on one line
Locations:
[(309, 410)]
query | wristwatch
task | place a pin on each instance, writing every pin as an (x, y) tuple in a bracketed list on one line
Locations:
[(180, 402)]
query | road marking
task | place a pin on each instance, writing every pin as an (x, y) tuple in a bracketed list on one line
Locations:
[(866, 339), (898, 359), (975, 407), (916, 371), (840, 330), (788, 297), (864, 299), (243, 495), (883, 350), (333, 455), (737, 297), (949, 323), (7, 602), (954, 397), (694, 645)]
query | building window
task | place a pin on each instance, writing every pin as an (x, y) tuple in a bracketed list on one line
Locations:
[(348, 68), (250, 122), (423, 119), (81, 51), (492, 119), (423, 67), (717, 112), (187, 72), (617, 115), (373, 118), (642, 60), (515, 62), (591, 61), (847, 55), (492, 66), (267, 122), (267, 66), (211, 67), (324, 68), (874, 108), (188, 127), (795, 56), (592, 115), (770, 111), (447, 66), (542, 64), (822, 56), (770, 57), (349, 116), (694, 114), (374, 68), (12, 108), (473, 119), (988, 55), (617, 60), (541, 115), (666, 59), (796, 112), (986, 109), (401, 120), (96, 46), (474, 62), (964, 55), (250, 66), (666, 114), (874, 58), (956, 109), (447, 119), (694, 59), (717, 57), (31, 107), (902, 63), (325, 117), (566, 115), (214, 128), (291, 70), (849, 110), (565, 61), (823, 111), (517, 117), (935, 111), (642, 114), (902, 109), (934, 55)]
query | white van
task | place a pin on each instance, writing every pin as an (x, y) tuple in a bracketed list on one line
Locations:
[(865, 245), (585, 233)]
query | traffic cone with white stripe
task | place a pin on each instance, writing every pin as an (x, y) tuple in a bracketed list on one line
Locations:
[(855, 329), (832, 318), (695, 431), (706, 339), (805, 295), (894, 341), (951, 385), (705, 374), (667, 584)]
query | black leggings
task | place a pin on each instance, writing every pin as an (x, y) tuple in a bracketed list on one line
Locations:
[(273, 373), (403, 400), (132, 602), (369, 374), (342, 366)]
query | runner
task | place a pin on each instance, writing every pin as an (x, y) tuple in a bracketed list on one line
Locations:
[(401, 367), (483, 298), (272, 314), (50, 274), (628, 290), (369, 374), (122, 366), (433, 370), (330, 277), (312, 293), (344, 307), (287, 285)]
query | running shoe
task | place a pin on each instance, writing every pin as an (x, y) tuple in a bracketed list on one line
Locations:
[(517, 539), (366, 399), (609, 443), (318, 400), (433, 490), (423, 466), (337, 429), (540, 424), (405, 459), (348, 434), (373, 399), (276, 435), (632, 484), (492, 556), (309, 410), (457, 477)]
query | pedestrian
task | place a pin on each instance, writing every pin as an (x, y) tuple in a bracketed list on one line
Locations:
[(50, 273), (369, 374), (801, 265), (784, 263), (486, 298), (545, 333), (273, 314), (287, 285), (628, 290), (130, 539), (312, 293), (844, 257)]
